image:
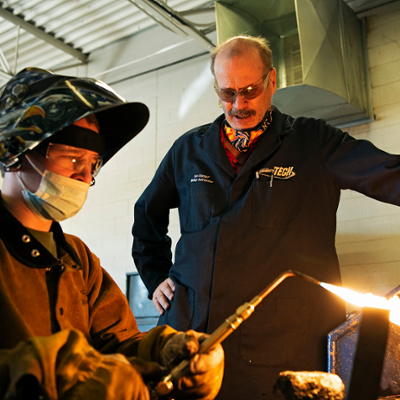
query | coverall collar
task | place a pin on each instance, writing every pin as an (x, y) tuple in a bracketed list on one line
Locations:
[(266, 144), (25, 247)]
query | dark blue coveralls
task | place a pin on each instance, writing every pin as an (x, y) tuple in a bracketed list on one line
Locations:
[(238, 233)]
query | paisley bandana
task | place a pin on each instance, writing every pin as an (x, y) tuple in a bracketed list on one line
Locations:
[(241, 139)]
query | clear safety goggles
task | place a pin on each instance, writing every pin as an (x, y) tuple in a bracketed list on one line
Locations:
[(73, 159)]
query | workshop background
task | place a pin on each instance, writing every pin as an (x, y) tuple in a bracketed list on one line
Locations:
[(169, 72)]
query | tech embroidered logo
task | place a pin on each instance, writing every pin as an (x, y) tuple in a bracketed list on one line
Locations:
[(201, 178), (277, 172)]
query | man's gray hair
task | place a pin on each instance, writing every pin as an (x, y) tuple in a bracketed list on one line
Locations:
[(237, 45)]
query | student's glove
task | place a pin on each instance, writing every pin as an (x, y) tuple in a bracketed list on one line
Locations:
[(64, 366), (204, 378)]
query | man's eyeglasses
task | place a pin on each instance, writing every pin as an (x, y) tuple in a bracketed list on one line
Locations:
[(73, 159), (248, 93)]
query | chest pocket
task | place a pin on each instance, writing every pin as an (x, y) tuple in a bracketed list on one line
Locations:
[(274, 203), (201, 197)]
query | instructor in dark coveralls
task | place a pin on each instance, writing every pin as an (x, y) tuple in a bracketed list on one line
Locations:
[(257, 193)]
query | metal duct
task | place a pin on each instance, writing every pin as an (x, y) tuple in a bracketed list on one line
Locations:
[(319, 52)]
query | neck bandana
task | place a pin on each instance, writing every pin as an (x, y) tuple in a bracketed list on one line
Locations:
[(241, 139)]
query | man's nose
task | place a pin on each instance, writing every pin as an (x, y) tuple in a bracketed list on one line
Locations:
[(239, 102), (84, 174)]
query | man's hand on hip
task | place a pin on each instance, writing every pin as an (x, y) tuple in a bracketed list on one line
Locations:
[(163, 295)]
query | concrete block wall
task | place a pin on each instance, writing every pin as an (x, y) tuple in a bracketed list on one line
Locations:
[(368, 234), (181, 97)]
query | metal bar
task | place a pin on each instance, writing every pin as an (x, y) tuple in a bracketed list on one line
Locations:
[(196, 11), (68, 66), (16, 50), (170, 19), (369, 356), (41, 34)]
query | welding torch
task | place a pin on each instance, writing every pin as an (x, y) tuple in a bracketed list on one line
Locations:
[(243, 312)]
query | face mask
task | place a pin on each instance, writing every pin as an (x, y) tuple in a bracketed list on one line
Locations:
[(57, 197)]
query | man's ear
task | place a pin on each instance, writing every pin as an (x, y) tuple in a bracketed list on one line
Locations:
[(272, 80)]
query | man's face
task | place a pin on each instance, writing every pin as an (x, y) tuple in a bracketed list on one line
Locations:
[(71, 162), (240, 72), (62, 160)]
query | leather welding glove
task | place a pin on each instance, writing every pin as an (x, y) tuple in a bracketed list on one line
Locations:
[(149, 370), (204, 377), (64, 366)]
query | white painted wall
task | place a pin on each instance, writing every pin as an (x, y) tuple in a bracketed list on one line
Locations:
[(181, 97), (368, 234)]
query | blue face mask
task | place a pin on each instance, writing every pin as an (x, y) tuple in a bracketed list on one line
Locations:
[(57, 198)]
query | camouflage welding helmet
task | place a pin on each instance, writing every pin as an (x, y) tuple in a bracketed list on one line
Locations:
[(35, 104)]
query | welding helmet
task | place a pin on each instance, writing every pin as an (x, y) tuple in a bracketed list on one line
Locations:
[(35, 104)]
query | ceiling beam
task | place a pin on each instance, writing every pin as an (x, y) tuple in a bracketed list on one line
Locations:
[(40, 33), (170, 19)]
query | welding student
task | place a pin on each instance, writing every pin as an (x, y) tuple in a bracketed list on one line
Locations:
[(257, 193), (62, 316)]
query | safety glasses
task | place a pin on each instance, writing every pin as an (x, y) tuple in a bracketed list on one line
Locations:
[(73, 159), (248, 93)]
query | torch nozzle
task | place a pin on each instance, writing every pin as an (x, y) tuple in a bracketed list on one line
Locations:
[(307, 278)]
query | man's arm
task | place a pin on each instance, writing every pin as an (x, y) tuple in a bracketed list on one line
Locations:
[(151, 248), (29, 370), (359, 165), (112, 330)]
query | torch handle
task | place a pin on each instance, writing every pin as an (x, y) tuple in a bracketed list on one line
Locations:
[(165, 386), (224, 330)]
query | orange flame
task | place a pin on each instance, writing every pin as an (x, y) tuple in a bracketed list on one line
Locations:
[(368, 300)]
